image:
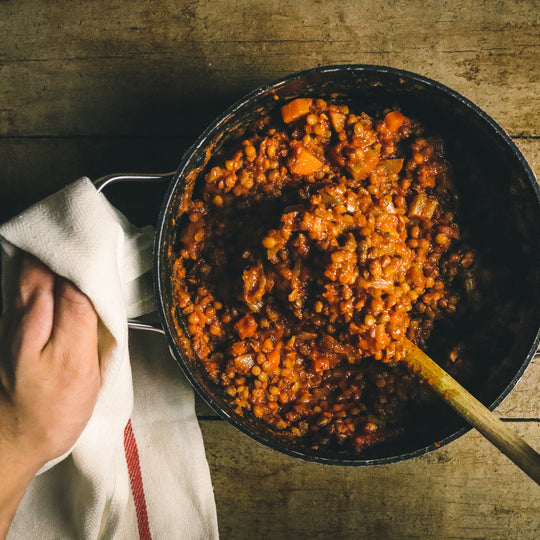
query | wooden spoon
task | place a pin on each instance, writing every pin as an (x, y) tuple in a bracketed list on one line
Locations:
[(476, 414)]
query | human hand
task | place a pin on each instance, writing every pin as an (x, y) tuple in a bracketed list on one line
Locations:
[(49, 377)]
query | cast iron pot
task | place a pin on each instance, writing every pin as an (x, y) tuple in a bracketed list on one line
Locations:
[(499, 213)]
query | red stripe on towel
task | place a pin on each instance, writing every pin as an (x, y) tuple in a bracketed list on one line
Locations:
[(135, 478)]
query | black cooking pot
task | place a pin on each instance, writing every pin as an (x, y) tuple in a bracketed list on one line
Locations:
[(499, 215)]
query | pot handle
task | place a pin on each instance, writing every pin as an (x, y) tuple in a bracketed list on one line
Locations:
[(100, 184), (134, 324), (104, 181)]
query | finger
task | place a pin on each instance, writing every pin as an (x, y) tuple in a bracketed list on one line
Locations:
[(75, 320), (34, 302), (34, 278)]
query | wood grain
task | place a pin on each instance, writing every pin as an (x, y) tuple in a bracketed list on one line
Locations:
[(463, 490), (95, 87), (140, 67)]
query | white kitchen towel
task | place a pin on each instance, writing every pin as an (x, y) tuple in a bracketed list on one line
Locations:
[(107, 486)]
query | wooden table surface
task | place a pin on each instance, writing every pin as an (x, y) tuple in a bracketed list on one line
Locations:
[(94, 87)]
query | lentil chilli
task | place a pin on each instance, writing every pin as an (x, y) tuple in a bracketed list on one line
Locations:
[(306, 257)]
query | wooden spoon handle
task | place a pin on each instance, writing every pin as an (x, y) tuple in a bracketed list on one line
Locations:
[(476, 414)]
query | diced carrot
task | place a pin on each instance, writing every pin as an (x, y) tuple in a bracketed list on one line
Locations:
[(246, 326), (273, 359), (320, 363), (393, 120), (338, 120), (305, 163), (295, 109)]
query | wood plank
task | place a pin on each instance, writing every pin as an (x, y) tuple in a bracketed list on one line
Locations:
[(139, 68), (464, 490), (157, 25)]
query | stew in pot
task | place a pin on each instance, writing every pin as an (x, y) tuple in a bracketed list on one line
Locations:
[(307, 255)]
